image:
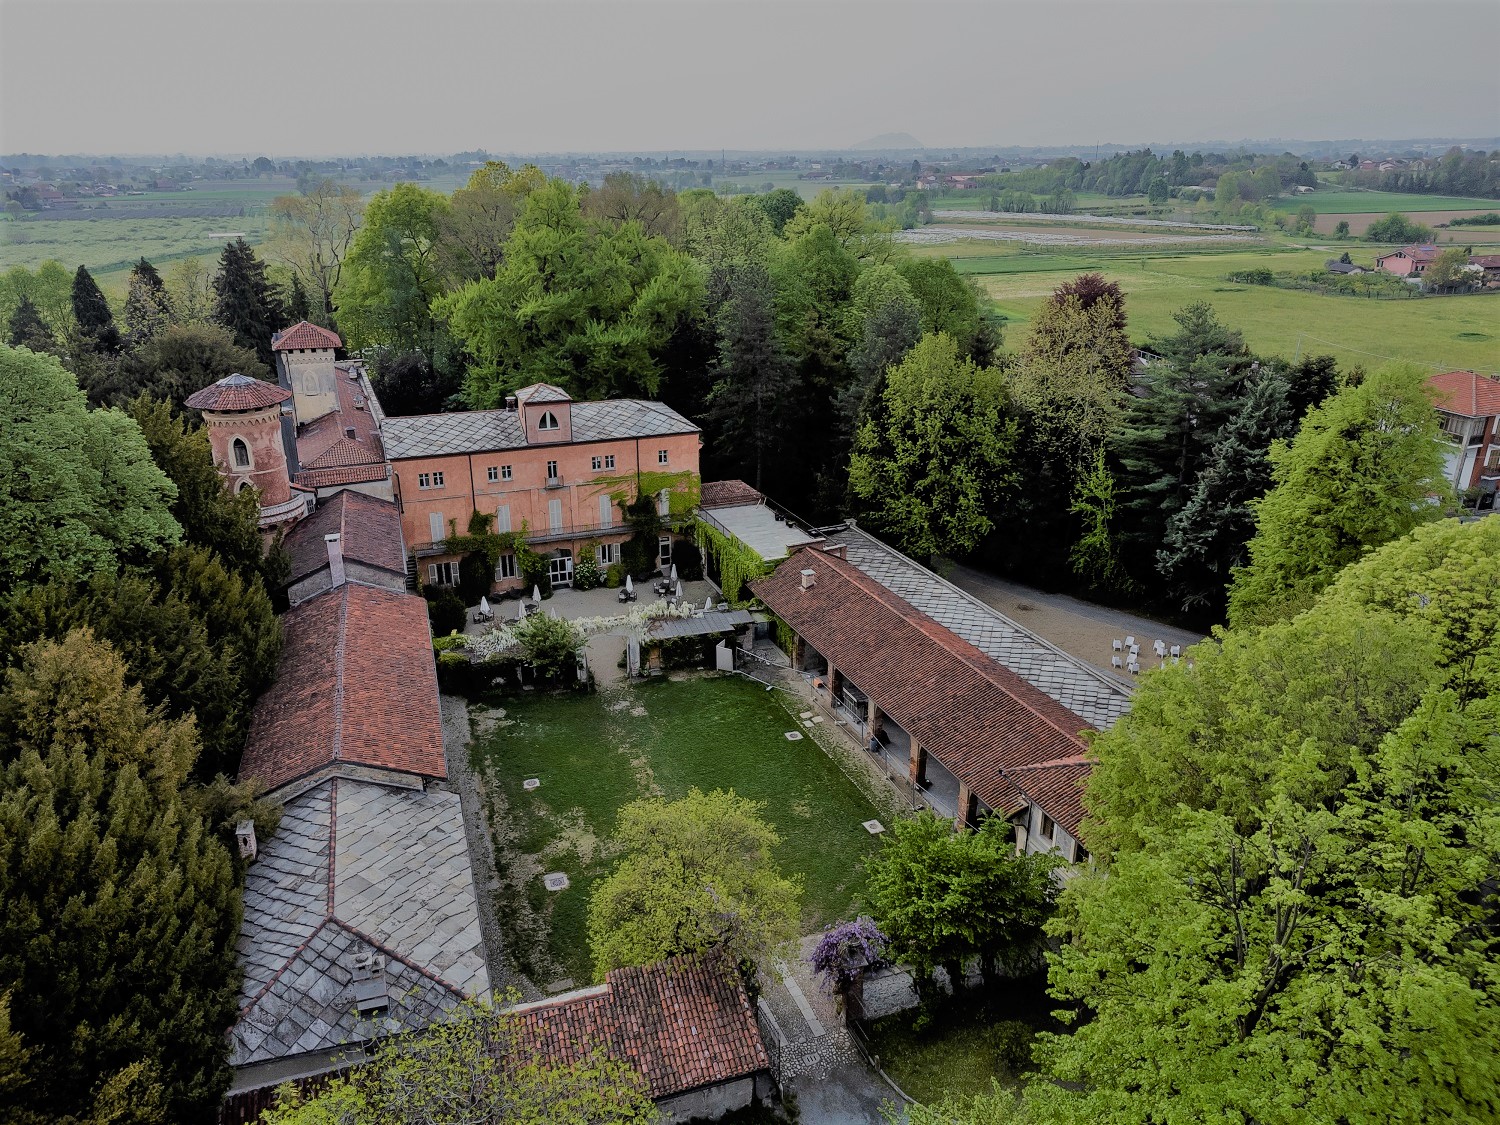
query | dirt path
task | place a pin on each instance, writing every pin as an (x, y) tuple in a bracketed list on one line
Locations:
[(1079, 628)]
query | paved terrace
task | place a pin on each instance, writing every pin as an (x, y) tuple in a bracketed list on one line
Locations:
[(1088, 692)]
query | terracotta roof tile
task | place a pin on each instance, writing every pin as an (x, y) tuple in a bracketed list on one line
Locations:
[(356, 684), (305, 336), (682, 1024), (369, 529), (354, 474), (1055, 786), (972, 714), (237, 392), (1467, 393), (727, 494), (325, 443)]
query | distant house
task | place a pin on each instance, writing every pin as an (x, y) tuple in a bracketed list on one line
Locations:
[(1333, 265), (1469, 409), (1489, 268), (1409, 261)]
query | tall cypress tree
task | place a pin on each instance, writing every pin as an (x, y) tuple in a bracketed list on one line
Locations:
[(297, 308), (148, 309), (95, 321), (121, 905), (245, 302)]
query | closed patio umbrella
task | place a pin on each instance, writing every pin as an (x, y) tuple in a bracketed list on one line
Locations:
[(536, 594), (673, 578), (521, 612), (708, 603), (678, 591), (484, 607), (629, 585)]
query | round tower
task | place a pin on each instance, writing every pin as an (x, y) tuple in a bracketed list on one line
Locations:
[(243, 416)]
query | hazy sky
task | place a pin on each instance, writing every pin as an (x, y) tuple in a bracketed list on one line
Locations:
[(347, 76)]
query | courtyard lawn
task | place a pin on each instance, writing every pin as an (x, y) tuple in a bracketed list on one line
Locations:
[(595, 753)]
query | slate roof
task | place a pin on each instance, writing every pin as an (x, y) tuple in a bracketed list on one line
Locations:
[(355, 867), (304, 336), (355, 685), (1467, 393), (369, 532), (972, 714), (727, 494), (479, 431), (1082, 689), (683, 1023), (700, 625), (543, 392), (237, 392)]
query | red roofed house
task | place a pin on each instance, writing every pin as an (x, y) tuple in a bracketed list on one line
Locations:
[(1012, 749), (1469, 409), (246, 436), (1409, 261), (685, 1024)]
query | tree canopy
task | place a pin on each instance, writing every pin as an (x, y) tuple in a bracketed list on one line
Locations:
[(695, 874), (79, 492)]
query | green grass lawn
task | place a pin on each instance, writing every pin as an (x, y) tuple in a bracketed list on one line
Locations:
[(595, 753), (1449, 332), (962, 1045), (1357, 202)]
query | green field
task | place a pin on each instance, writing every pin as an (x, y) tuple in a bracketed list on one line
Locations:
[(1440, 332), (113, 245), (1359, 202), (595, 753)]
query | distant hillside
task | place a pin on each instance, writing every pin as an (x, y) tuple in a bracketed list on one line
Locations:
[(887, 141)]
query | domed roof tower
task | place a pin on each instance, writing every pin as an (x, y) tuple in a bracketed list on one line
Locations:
[(243, 416)]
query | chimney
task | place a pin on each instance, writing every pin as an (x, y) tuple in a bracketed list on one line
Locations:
[(808, 578), (510, 403), (335, 560), (244, 835)]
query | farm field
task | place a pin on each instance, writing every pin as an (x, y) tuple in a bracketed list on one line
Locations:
[(1446, 332), (112, 245), (595, 753), (1382, 203)]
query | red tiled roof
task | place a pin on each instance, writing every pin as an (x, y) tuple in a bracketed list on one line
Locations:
[(1486, 261), (353, 474), (1056, 787), (324, 443), (682, 1024), (727, 494), (369, 530), (972, 714), (305, 336), (237, 392), (356, 684), (1467, 393)]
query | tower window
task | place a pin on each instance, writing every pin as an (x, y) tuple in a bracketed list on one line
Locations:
[(548, 422), (241, 453)]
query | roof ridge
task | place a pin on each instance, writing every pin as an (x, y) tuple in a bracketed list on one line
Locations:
[(285, 965), (962, 649), (338, 681), (1073, 760)]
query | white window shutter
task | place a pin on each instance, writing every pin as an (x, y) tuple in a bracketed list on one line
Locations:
[(435, 526), (554, 514), (606, 512), (502, 517)]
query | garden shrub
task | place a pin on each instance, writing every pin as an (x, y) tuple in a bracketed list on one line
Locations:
[(446, 610), (586, 570), (476, 576), (615, 576)]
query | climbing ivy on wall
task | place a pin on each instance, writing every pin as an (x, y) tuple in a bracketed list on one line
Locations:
[(736, 563)]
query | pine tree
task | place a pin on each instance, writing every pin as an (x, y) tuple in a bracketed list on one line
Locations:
[(1207, 538), (296, 301), (96, 323), (29, 330), (121, 907), (148, 309), (1168, 431), (245, 302)]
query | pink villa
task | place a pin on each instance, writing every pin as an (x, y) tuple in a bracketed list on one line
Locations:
[(1409, 261), (1468, 406), (559, 470)]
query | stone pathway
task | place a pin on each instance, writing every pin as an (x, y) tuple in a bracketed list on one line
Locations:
[(821, 1065)]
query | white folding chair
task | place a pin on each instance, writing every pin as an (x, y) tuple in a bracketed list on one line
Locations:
[(1114, 644), (1176, 651), (1130, 642), (1115, 662), (1135, 669)]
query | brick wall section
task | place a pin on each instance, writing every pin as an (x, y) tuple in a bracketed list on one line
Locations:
[(971, 713), (356, 683)]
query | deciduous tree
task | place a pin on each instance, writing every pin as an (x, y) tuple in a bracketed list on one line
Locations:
[(1359, 473), (312, 232), (78, 490), (390, 275), (695, 874), (934, 460)]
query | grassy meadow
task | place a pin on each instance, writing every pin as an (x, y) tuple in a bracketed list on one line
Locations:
[(1446, 332)]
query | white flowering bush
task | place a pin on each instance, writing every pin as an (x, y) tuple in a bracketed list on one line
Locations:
[(510, 635)]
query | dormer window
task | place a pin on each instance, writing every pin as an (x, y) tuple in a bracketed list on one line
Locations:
[(241, 453), (548, 422)]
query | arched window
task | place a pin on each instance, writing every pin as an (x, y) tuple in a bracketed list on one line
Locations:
[(548, 422), (241, 453), (244, 484)]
